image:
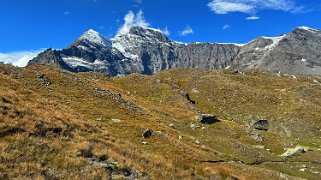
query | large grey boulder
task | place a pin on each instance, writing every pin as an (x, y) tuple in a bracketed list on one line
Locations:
[(207, 119), (261, 125), (147, 133), (298, 150)]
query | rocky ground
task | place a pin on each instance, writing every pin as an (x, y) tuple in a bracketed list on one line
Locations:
[(177, 124)]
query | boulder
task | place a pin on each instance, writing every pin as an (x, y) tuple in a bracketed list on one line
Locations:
[(261, 125), (290, 152), (147, 133), (207, 119)]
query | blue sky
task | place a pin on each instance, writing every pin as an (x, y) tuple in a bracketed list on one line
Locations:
[(30, 25)]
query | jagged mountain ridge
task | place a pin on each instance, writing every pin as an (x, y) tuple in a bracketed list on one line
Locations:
[(148, 51)]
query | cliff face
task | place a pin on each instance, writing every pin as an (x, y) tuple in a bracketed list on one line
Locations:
[(148, 51)]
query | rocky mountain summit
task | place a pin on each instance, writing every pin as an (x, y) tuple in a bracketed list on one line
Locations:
[(148, 51)]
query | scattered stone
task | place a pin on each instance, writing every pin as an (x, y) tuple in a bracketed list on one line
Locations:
[(293, 77), (207, 118), (147, 133), (6, 131), (116, 120), (261, 125), (172, 125), (125, 171), (158, 81), (103, 158), (179, 137), (256, 137), (195, 91), (86, 153), (303, 166), (260, 146), (295, 151), (303, 169), (193, 126), (99, 119), (44, 79), (6, 100), (144, 142)]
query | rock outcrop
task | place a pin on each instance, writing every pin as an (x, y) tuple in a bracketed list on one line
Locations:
[(261, 125)]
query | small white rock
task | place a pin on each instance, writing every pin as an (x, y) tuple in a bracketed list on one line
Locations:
[(195, 91), (116, 120), (303, 169)]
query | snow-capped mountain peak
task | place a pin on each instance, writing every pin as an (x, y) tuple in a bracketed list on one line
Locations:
[(94, 37), (308, 29)]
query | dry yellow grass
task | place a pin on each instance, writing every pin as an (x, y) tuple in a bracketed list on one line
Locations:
[(50, 118)]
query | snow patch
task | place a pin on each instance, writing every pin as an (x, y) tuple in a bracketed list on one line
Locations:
[(236, 44), (125, 45), (309, 29), (83, 48), (76, 61), (275, 40)]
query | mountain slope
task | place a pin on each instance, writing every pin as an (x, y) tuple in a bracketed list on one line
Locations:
[(55, 124), (148, 51)]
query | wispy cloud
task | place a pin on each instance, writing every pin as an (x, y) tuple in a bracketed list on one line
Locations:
[(226, 27), (131, 19), (139, 1), (66, 13), (186, 31), (253, 17), (19, 58), (166, 31), (252, 6)]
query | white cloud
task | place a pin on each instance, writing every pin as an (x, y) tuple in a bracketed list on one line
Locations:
[(186, 31), (19, 58), (131, 19), (224, 7), (253, 17), (226, 27), (166, 31), (252, 6)]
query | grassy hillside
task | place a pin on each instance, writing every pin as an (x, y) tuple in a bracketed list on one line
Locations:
[(59, 125)]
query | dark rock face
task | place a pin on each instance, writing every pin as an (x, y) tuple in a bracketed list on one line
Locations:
[(147, 133), (148, 51), (207, 119), (261, 125), (50, 57)]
